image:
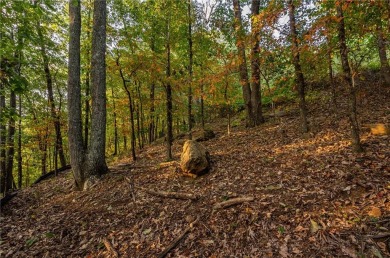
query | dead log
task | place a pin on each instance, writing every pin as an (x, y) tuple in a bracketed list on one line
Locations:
[(231, 202), (173, 195), (177, 240), (8, 197), (51, 173)]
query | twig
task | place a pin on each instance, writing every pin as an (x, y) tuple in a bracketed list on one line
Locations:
[(231, 202), (176, 241), (383, 235), (173, 195), (110, 248)]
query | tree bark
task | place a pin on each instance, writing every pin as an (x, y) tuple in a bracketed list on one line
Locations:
[(115, 124), (347, 77), (190, 64), (3, 129), (330, 72), (20, 158), (168, 89), (131, 108), (76, 145), (243, 70), (385, 69), (49, 84), (96, 161), (297, 66), (255, 66), (87, 86)]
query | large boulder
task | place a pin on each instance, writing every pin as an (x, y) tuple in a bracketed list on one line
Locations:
[(195, 159)]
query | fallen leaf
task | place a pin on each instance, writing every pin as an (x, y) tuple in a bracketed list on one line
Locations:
[(375, 212), (314, 227)]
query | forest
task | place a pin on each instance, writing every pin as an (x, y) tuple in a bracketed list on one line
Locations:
[(195, 128)]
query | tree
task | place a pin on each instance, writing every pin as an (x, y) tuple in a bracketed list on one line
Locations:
[(297, 66), (87, 162), (348, 79), (255, 65), (243, 70)]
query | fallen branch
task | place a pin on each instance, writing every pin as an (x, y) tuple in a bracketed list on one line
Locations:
[(231, 202), (173, 195), (110, 248), (177, 240), (8, 197), (51, 173)]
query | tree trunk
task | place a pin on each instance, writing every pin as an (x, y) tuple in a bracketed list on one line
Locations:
[(202, 104), (10, 144), (240, 43), (20, 158), (87, 86), (347, 76), (49, 84), (96, 162), (385, 69), (330, 70), (255, 66), (151, 118), (168, 89), (115, 124), (297, 66), (131, 108), (3, 130), (141, 114), (76, 145), (190, 63)]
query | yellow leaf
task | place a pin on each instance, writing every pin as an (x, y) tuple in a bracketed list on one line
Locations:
[(314, 227)]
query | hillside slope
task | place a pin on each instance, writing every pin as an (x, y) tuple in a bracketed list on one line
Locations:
[(313, 197)]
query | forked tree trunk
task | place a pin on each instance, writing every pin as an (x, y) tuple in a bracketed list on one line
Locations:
[(243, 70), (298, 69), (347, 76)]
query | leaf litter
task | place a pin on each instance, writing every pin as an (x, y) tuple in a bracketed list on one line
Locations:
[(310, 196)]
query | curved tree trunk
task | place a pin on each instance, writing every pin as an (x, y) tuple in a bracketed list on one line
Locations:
[(49, 84)]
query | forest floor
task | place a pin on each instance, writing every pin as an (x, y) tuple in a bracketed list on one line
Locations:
[(313, 197)]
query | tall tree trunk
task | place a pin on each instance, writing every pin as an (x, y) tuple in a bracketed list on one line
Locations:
[(240, 43), (168, 89), (115, 124), (87, 84), (49, 84), (385, 69), (297, 66), (10, 144), (141, 110), (347, 76), (96, 162), (131, 108), (20, 158), (257, 112), (202, 104), (151, 118), (330, 72), (190, 63), (3, 129), (76, 145)]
